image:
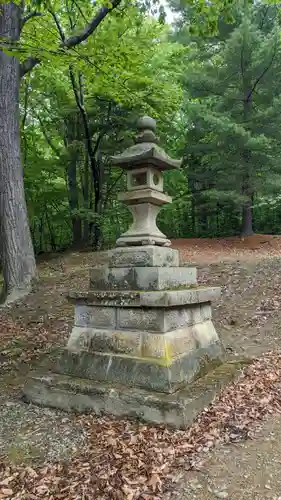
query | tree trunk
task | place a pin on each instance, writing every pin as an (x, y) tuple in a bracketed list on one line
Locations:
[(98, 202), (74, 203), (247, 188), (247, 219), (17, 254), (86, 194), (71, 137), (203, 223)]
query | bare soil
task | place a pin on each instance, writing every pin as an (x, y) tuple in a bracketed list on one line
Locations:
[(247, 318)]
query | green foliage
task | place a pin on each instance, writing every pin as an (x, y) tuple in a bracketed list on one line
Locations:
[(193, 79), (129, 68), (232, 104)]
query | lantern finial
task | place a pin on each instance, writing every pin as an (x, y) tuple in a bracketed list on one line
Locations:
[(146, 127)]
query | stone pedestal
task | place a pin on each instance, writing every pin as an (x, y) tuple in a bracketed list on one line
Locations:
[(143, 332), (142, 337), (146, 327)]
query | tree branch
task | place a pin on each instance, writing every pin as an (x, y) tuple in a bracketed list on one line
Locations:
[(27, 65), (58, 25), (29, 16), (91, 27), (47, 138), (266, 69), (84, 116), (72, 41)]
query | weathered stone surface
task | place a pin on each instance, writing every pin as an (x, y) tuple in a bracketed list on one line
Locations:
[(83, 364), (160, 374), (165, 278), (106, 367), (142, 278), (196, 295), (146, 177), (144, 230), (140, 319), (162, 298), (205, 333), (95, 316), (165, 346), (145, 151), (105, 340), (149, 255), (169, 345), (158, 319), (177, 410), (108, 278), (145, 196), (177, 317), (206, 311)]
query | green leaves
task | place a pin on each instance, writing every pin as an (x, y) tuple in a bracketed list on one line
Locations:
[(233, 138)]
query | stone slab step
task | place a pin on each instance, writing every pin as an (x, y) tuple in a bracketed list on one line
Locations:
[(161, 298), (177, 410)]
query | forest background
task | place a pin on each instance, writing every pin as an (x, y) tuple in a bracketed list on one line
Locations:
[(215, 94)]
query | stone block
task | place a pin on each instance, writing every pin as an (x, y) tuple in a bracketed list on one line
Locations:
[(196, 313), (83, 364), (105, 340), (177, 410), (165, 278), (95, 316), (149, 255), (185, 369), (205, 333), (141, 343), (169, 345), (146, 195), (206, 311), (119, 369), (158, 320), (140, 319), (177, 317), (106, 278), (142, 278), (139, 372)]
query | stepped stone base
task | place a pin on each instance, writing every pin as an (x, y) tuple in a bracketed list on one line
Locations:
[(177, 410), (159, 374)]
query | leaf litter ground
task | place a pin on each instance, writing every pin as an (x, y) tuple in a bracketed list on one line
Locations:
[(51, 455)]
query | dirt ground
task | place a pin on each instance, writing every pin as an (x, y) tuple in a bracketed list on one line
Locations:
[(247, 318)]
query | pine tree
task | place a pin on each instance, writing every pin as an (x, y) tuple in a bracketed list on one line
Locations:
[(232, 106)]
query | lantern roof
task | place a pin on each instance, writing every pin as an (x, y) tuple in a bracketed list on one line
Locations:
[(145, 151)]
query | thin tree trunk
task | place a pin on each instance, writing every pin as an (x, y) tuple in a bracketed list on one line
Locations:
[(202, 218), (17, 254), (247, 191), (73, 203), (247, 219), (247, 188), (193, 205), (98, 203), (72, 127)]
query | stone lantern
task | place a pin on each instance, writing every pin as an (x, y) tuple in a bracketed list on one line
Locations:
[(144, 163), (143, 339)]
